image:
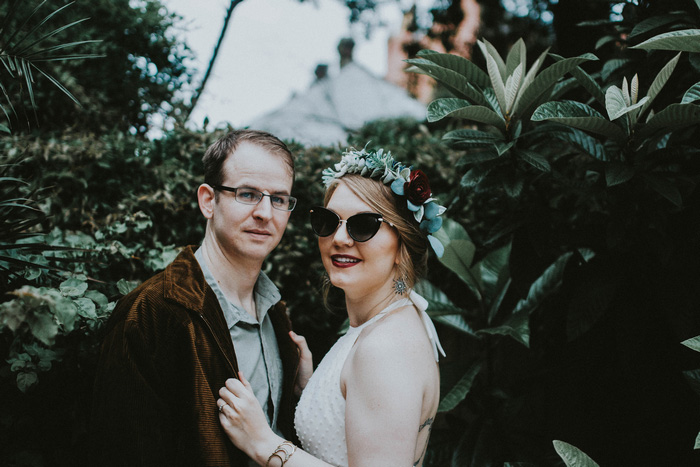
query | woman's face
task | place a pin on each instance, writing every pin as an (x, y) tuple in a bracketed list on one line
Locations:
[(359, 268)]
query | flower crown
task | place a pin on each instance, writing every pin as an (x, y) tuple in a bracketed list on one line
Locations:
[(413, 184)]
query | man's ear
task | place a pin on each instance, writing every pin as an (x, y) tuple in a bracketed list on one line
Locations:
[(205, 197)]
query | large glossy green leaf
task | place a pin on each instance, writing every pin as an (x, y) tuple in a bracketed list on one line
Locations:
[(656, 22), (692, 343), (489, 50), (665, 188), (516, 326), (583, 141), (578, 115), (475, 175), (693, 378), (572, 456), (616, 103), (441, 108), (512, 87), (585, 80), (517, 56), (470, 138), (459, 253), (617, 173), (660, 81), (535, 159), (442, 310), (493, 272), (545, 80), (611, 66), (687, 40), (497, 76), (672, 117), (481, 155), (692, 94), (544, 286), (456, 83), (466, 68), (460, 390)]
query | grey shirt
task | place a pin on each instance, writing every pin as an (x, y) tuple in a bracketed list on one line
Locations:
[(254, 340)]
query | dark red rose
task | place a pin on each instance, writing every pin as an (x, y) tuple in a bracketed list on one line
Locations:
[(417, 188)]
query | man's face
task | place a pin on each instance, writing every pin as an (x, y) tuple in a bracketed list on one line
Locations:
[(245, 232)]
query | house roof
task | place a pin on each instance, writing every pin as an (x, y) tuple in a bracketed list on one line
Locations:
[(332, 106)]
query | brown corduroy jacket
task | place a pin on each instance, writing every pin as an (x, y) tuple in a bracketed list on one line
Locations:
[(166, 352)]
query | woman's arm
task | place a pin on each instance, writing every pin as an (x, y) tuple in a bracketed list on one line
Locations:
[(384, 395)]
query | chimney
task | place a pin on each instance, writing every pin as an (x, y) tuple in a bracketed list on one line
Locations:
[(345, 50), (321, 71)]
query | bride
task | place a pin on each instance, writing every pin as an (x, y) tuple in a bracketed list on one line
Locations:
[(373, 397)]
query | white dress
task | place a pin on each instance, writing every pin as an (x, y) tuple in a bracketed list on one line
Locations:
[(320, 414)]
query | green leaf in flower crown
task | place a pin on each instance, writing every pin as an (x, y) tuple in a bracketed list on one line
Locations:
[(572, 456), (460, 390)]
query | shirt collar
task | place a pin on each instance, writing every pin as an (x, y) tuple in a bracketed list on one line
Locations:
[(266, 295)]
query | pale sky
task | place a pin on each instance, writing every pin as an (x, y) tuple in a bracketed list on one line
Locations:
[(271, 50)]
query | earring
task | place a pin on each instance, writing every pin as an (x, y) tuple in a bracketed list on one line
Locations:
[(400, 286)]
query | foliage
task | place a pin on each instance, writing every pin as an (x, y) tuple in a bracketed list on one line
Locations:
[(578, 276), (138, 75), (22, 52)]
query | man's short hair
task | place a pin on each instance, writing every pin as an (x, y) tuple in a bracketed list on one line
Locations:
[(218, 152)]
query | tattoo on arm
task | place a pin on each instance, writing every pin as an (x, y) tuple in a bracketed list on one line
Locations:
[(429, 424)]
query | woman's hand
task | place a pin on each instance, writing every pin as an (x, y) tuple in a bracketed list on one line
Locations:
[(243, 419), (306, 364)]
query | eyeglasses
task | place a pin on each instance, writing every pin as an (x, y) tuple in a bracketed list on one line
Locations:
[(251, 196), (361, 227)]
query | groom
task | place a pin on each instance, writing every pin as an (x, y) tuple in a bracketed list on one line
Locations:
[(172, 342)]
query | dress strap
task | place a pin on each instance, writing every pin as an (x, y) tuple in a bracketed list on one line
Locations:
[(422, 304)]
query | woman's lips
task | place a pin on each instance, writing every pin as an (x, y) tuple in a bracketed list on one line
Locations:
[(344, 261)]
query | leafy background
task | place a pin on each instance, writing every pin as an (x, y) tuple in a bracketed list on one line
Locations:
[(571, 272)]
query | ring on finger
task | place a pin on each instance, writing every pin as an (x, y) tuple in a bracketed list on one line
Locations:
[(221, 407)]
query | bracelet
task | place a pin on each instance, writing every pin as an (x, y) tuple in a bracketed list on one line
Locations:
[(282, 449)]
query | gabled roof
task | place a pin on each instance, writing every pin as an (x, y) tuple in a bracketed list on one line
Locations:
[(335, 105)]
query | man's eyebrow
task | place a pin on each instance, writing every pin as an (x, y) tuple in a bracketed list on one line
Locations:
[(278, 192)]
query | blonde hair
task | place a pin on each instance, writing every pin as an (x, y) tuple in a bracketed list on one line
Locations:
[(413, 243)]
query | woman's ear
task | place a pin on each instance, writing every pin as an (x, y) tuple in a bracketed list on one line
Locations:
[(206, 199)]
